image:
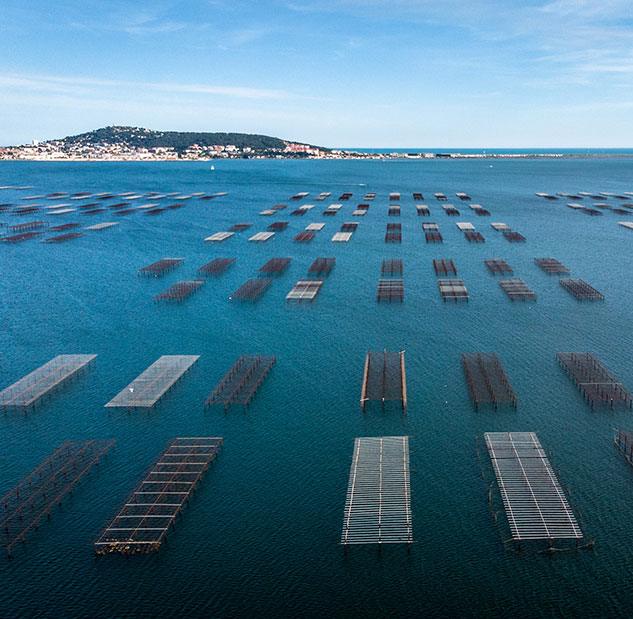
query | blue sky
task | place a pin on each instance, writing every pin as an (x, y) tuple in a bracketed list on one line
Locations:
[(404, 73)]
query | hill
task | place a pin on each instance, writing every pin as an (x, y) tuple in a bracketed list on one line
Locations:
[(138, 137)]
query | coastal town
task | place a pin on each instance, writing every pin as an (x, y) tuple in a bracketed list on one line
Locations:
[(137, 144)]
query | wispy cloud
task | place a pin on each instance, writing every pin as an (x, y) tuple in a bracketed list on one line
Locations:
[(77, 85)]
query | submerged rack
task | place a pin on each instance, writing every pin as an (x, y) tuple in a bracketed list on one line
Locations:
[(180, 290), (596, 382), (142, 524), (240, 383), (150, 386), (160, 267), (217, 266), (305, 290), (534, 502), (25, 507), (474, 237), (624, 442), (391, 267), (498, 266), (394, 233), (551, 265), (305, 237), (517, 289), (275, 266), (581, 289), (384, 378), (63, 238), (433, 236), (513, 237), (321, 266), (378, 502), (251, 289), (444, 266), (34, 386), (453, 289), (487, 380), (390, 290)]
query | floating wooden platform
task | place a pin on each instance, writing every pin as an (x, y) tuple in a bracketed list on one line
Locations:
[(464, 225), (305, 290), (581, 289), (391, 267), (219, 237), (517, 289), (440, 196), (31, 502), (551, 265), (597, 384), (453, 289), (261, 237), (321, 266), (378, 503), (500, 226), (535, 504), (34, 386), (444, 266), (390, 290), (142, 524), (104, 225), (63, 238), (275, 266), (547, 196), (384, 378), (430, 225), (217, 266), (241, 382), (418, 196), (160, 267), (498, 266), (422, 209), (394, 196), (394, 211), (463, 196), (349, 226), (487, 380), (342, 237), (315, 227), (252, 289), (180, 290), (150, 386)]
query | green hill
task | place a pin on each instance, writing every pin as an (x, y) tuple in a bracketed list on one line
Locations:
[(139, 137)]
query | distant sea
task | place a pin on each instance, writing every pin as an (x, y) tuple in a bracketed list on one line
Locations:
[(260, 537), (498, 151)]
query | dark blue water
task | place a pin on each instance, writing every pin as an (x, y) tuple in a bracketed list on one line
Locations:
[(260, 538)]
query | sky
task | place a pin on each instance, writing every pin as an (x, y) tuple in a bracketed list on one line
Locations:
[(337, 73)]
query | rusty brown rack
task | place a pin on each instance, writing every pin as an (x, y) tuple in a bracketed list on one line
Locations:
[(321, 266), (181, 290), (384, 378), (275, 265), (444, 266), (551, 265), (392, 267), (217, 266), (252, 289), (487, 380), (160, 267), (390, 290), (498, 266), (581, 289)]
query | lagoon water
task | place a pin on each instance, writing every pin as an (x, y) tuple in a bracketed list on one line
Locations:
[(260, 538)]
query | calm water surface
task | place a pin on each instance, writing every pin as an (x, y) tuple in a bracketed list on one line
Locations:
[(260, 537)]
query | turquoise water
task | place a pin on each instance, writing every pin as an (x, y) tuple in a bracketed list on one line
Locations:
[(260, 537)]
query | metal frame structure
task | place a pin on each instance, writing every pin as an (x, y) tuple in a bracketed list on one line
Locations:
[(384, 378), (251, 289), (150, 386), (487, 380), (390, 290), (34, 386), (24, 507), (160, 267), (580, 289), (596, 382), (142, 524), (240, 383), (217, 266), (378, 502), (498, 266), (534, 502), (305, 290), (180, 290), (517, 289)]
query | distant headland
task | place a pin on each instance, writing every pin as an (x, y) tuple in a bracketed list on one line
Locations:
[(118, 143)]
